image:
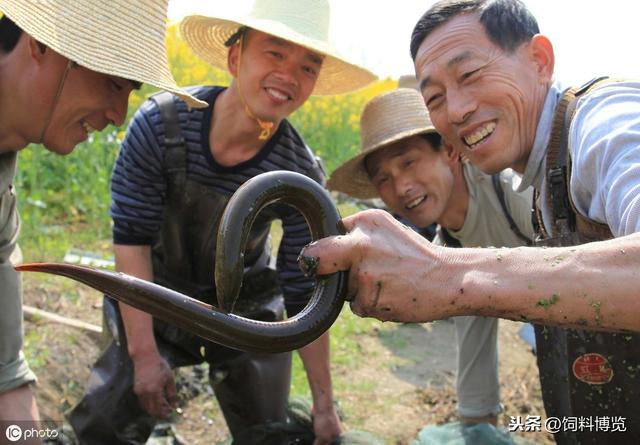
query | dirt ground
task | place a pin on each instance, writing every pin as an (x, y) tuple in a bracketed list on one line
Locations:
[(402, 379)]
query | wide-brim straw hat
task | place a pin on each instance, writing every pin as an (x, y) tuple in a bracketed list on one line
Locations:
[(121, 38), (303, 22), (386, 119), (408, 81)]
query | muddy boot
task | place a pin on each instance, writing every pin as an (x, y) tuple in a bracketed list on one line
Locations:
[(255, 390)]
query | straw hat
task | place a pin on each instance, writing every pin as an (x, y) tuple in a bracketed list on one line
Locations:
[(122, 38), (387, 118), (408, 81), (303, 22)]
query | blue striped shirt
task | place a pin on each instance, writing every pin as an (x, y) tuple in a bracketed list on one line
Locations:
[(139, 185)]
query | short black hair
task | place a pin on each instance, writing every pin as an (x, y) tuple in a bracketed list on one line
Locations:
[(9, 34), (434, 139), (508, 23)]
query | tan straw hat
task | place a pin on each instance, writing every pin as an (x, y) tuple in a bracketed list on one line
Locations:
[(123, 38), (303, 22), (408, 81), (387, 118)]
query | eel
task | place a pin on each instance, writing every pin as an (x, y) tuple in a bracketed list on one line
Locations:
[(219, 324)]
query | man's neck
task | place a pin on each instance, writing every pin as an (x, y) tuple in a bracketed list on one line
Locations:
[(455, 212), (11, 138), (233, 136)]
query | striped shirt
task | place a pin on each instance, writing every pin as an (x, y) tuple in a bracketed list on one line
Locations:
[(139, 185)]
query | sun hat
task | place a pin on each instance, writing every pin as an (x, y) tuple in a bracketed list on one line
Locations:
[(387, 118), (303, 22), (408, 81), (121, 38)]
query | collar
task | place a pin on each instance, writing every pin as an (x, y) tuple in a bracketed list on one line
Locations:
[(534, 171)]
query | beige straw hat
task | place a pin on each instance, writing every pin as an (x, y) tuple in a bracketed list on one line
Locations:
[(387, 118), (408, 81), (303, 22), (122, 38)]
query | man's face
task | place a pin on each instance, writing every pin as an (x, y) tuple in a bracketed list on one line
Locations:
[(276, 76), (413, 179), (484, 101), (89, 102)]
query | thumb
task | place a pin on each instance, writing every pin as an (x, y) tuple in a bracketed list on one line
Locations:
[(327, 255), (171, 394)]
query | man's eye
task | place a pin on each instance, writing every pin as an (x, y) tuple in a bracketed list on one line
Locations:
[(468, 74), (434, 100), (275, 54), (309, 70), (408, 162), (381, 181)]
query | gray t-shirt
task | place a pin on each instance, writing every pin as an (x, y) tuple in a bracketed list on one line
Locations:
[(9, 220), (485, 224)]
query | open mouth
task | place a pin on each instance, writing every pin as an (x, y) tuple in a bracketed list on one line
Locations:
[(415, 202), (278, 95), (480, 135), (88, 128)]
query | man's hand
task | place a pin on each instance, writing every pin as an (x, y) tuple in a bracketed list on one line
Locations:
[(390, 268), (326, 425), (154, 385)]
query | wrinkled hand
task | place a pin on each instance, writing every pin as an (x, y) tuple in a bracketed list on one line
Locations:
[(154, 385), (326, 425), (394, 273)]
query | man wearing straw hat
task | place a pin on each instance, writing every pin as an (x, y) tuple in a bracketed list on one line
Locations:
[(404, 162), (175, 172), (487, 77), (66, 70)]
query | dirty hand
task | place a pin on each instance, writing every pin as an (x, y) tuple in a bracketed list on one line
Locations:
[(394, 273), (154, 385), (326, 425)]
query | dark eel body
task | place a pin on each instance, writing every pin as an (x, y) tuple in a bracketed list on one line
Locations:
[(218, 325)]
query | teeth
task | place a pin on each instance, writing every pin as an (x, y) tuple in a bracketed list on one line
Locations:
[(88, 128), (480, 134), (412, 204), (277, 94)]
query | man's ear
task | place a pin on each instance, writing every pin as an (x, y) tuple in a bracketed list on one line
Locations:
[(541, 52), (452, 153), (37, 50), (232, 59)]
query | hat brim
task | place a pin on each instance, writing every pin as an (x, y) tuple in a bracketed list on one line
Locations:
[(352, 178), (106, 38), (207, 36)]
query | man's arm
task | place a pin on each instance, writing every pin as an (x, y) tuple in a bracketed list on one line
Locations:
[(397, 275), (153, 379), (316, 360)]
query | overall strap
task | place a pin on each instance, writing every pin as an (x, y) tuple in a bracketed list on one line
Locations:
[(497, 186), (569, 226), (175, 154)]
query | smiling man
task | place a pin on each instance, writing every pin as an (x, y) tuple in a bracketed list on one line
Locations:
[(174, 175), (486, 75), (55, 90), (404, 162)]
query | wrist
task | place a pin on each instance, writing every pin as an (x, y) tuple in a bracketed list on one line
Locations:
[(139, 351), (324, 404)]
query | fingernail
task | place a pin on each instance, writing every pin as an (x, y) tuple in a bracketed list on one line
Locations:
[(308, 264)]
